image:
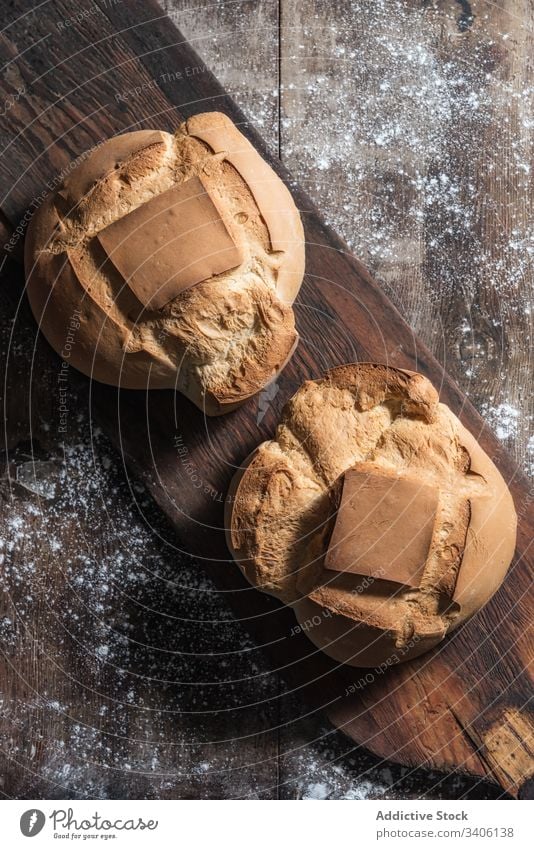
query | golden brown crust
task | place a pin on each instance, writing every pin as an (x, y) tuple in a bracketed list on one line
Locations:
[(286, 234), (219, 341), (384, 422)]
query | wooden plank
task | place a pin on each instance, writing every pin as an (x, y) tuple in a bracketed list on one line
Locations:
[(119, 675), (238, 41), (409, 124), (440, 209), (72, 723), (348, 299)]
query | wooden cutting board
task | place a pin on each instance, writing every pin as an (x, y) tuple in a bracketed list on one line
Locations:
[(463, 707)]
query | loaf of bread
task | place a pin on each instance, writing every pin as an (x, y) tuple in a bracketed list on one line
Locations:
[(373, 512), (179, 256)]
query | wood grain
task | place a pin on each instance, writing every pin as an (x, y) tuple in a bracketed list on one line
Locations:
[(418, 115), (122, 674), (344, 320), (239, 42)]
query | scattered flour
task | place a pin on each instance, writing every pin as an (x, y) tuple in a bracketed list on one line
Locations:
[(157, 687), (389, 121), (504, 419)]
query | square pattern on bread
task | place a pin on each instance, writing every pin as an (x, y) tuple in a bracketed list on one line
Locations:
[(384, 526), (170, 243)]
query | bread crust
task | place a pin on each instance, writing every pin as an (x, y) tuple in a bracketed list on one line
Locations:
[(219, 341), (283, 507)]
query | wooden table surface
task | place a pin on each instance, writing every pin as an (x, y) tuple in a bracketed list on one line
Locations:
[(410, 124)]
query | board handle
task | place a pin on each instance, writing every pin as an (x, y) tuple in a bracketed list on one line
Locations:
[(508, 749)]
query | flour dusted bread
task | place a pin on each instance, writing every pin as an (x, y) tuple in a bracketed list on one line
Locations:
[(374, 513), (179, 255)]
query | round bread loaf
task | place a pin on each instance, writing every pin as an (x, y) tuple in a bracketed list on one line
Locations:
[(373, 512), (178, 256)]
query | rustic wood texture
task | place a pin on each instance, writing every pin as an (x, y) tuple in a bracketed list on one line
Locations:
[(443, 713), (401, 121)]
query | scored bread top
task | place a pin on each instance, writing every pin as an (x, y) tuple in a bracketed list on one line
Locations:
[(220, 326), (384, 429), (384, 524), (155, 247)]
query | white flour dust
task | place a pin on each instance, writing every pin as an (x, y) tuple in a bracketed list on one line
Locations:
[(156, 687)]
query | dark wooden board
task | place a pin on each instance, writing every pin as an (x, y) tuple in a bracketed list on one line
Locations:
[(461, 707)]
